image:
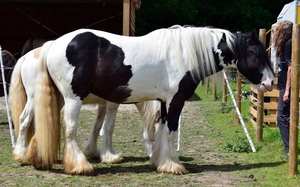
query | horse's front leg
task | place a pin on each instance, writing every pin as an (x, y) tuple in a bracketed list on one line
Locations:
[(74, 161), (108, 155), (91, 149), (164, 157), (26, 119)]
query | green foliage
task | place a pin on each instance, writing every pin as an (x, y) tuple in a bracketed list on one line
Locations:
[(239, 145), (263, 168), (233, 15), (155, 14), (226, 109), (272, 135)]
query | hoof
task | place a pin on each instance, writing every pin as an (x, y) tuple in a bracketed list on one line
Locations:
[(92, 155), (83, 169), (21, 157), (172, 168), (111, 158)]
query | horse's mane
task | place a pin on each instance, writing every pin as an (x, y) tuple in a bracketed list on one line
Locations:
[(32, 43), (8, 59), (192, 46), (9, 62)]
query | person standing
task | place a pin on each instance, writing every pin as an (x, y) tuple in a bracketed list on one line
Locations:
[(283, 47)]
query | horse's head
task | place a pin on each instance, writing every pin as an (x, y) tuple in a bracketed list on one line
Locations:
[(253, 61)]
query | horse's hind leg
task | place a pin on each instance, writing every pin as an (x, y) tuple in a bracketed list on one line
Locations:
[(108, 155), (74, 161), (150, 118), (91, 149), (26, 120)]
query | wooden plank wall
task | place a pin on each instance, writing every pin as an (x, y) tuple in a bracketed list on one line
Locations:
[(16, 26)]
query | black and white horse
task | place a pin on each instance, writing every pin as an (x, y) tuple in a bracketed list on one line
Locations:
[(21, 99), (164, 65)]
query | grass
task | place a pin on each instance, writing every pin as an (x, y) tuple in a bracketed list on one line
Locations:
[(265, 167), (209, 133)]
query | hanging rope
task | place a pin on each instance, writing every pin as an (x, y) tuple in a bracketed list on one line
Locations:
[(103, 20), (38, 22)]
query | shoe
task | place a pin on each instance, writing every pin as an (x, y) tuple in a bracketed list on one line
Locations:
[(286, 156)]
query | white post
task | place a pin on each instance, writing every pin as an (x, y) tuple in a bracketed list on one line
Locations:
[(179, 134), (6, 102), (239, 113)]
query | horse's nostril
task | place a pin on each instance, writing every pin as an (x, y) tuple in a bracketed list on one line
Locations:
[(272, 82)]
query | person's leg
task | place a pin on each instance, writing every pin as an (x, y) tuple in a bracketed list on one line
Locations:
[(283, 120)]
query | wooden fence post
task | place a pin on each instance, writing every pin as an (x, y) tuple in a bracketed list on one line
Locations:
[(207, 82), (238, 91), (294, 116), (126, 17), (260, 98), (214, 89)]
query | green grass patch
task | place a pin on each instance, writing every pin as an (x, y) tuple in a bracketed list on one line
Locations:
[(264, 168)]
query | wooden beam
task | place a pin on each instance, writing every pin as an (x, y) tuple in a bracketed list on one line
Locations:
[(62, 1), (126, 17), (260, 98), (294, 116)]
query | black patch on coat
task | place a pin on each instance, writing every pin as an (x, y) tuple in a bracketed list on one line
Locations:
[(226, 53), (187, 87), (99, 68), (163, 112)]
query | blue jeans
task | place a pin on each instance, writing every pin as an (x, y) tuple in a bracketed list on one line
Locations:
[(283, 120)]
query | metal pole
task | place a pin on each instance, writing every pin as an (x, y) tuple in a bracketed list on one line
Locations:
[(239, 113), (179, 134), (6, 102)]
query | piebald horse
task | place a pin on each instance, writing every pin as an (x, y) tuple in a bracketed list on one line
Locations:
[(164, 65), (21, 101)]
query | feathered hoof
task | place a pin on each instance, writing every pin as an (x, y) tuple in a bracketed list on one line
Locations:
[(111, 158), (92, 154), (174, 168), (21, 157), (23, 160), (83, 169)]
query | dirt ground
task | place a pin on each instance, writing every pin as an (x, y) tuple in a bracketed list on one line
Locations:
[(215, 172)]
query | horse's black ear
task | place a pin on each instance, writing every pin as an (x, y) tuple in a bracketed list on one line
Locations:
[(251, 37), (223, 37), (254, 34)]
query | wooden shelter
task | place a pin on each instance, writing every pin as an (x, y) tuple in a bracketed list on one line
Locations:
[(49, 19)]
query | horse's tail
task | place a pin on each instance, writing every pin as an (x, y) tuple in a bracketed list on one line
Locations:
[(17, 97), (150, 117), (44, 147)]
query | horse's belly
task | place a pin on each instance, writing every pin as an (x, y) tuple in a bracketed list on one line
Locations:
[(93, 99)]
